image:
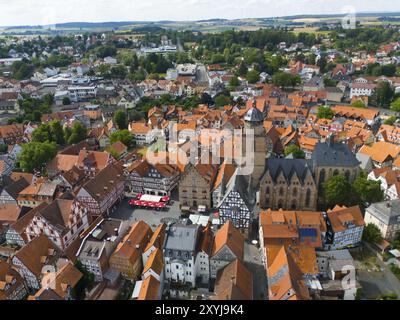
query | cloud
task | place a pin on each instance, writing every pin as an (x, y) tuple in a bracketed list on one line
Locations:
[(33, 12)]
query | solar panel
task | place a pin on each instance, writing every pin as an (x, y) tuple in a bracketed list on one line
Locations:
[(308, 232)]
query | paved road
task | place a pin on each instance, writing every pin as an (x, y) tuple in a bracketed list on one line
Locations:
[(375, 284), (253, 261)]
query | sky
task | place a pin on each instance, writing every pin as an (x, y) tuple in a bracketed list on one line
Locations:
[(43, 12)]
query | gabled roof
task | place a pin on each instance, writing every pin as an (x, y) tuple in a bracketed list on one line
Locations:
[(103, 182), (289, 167), (131, 247), (149, 289), (285, 278), (340, 217), (333, 154), (155, 262), (231, 237), (58, 213), (254, 115), (157, 239), (234, 282), (67, 277), (37, 254), (381, 151)]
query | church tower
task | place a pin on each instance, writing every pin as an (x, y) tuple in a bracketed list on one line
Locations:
[(254, 120)]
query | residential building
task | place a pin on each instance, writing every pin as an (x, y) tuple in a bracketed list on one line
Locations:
[(35, 259), (382, 153), (12, 284), (203, 272), (158, 179), (236, 204), (127, 257), (61, 221), (386, 216), (92, 162), (361, 89), (100, 194), (234, 282), (228, 246), (156, 242), (180, 251), (333, 267), (195, 186), (59, 286), (40, 191), (345, 227), (9, 195), (98, 245)]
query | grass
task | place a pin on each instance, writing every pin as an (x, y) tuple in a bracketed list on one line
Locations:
[(365, 257), (396, 270)]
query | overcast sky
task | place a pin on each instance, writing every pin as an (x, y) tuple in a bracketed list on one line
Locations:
[(38, 12)]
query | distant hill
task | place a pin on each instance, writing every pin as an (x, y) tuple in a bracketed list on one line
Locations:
[(152, 26)]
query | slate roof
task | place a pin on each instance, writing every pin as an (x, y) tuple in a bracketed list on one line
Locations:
[(254, 115), (334, 154), (289, 167), (387, 212)]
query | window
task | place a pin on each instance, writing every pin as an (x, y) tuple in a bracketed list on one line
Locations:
[(308, 197), (322, 176), (281, 191), (295, 192)]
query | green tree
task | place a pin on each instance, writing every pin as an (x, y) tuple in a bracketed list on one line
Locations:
[(329, 82), (358, 104), (22, 70), (123, 136), (77, 134), (42, 133), (390, 121), (253, 76), (57, 132), (66, 101), (367, 191), (86, 281), (325, 113), (222, 100), (337, 191), (283, 79), (35, 155), (234, 82), (118, 72), (120, 119), (295, 150), (395, 105), (242, 70), (383, 94), (372, 234)]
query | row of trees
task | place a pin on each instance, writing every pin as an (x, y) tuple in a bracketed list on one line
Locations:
[(339, 191)]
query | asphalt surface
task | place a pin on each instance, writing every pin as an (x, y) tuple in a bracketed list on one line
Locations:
[(152, 217), (253, 261), (375, 284)]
